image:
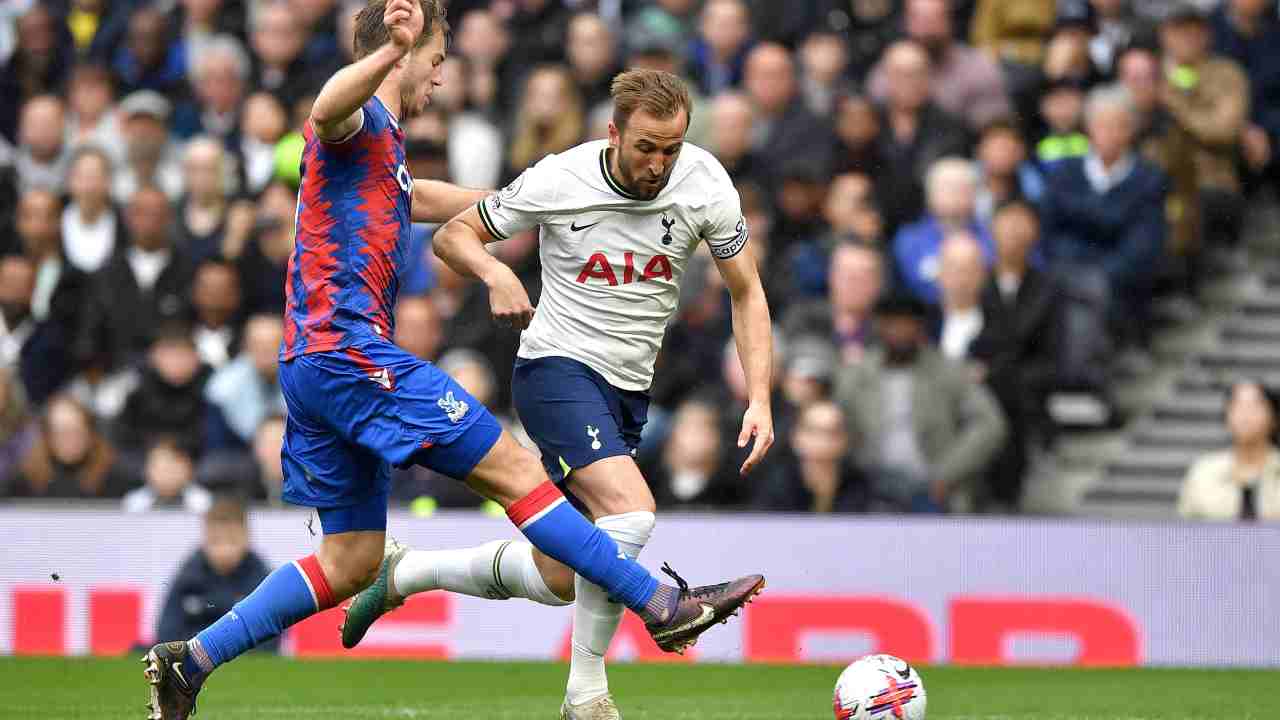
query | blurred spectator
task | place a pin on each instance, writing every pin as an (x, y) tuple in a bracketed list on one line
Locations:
[(965, 81), (923, 428), (1248, 31), (845, 317), (169, 481), (1013, 32), (869, 27), (952, 192), (97, 27), (70, 458), (215, 577), (257, 474), (39, 64), (1062, 111), (800, 194), (264, 262), (1114, 27), (90, 103), (279, 40), (1208, 99), (246, 391), (41, 159), (824, 60), (484, 41), (818, 477), (151, 156), (1006, 173), (851, 215), (1104, 223), (141, 287), (784, 128), (17, 430), (418, 327), (808, 370), (675, 20), (1066, 56), (914, 133), (220, 73), (215, 302), (732, 117), (320, 19), (858, 131), (199, 21), (720, 52), (91, 226), (169, 399), (962, 272), (1241, 483), (592, 56), (60, 288), (691, 472), (149, 59), (550, 119), (31, 346), (475, 144), (206, 216), (263, 123), (538, 32), (1017, 352)]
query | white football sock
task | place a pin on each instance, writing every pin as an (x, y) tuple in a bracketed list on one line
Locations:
[(498, 570), (595, 619)]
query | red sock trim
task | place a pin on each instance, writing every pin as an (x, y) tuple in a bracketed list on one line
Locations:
[(311, 572), (536, 503)]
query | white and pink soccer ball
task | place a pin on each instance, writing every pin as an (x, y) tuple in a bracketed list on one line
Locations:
[(879, 687)]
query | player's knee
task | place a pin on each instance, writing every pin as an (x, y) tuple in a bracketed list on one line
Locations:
[(630, 529), (526, 473)]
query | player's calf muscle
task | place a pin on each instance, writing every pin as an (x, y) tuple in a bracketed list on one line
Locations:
[(508, 473), (350, 561)]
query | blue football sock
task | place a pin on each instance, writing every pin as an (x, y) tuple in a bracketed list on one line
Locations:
[(560, 531), (291, 593)]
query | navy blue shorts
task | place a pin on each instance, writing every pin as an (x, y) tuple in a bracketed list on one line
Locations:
[(355, 412), (574, 415)]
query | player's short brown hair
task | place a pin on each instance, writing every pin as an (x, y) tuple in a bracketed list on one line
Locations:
[(371, 32), (661, 94)]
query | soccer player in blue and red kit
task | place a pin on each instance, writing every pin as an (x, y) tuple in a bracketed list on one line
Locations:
[(358, 404)]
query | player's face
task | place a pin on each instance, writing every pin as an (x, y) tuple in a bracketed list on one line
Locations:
[(422, 76), (646, 152)]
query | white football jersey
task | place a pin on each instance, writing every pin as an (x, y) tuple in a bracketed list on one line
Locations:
[(611, 264)]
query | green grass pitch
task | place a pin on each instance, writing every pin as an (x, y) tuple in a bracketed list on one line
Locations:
[(268, 688)]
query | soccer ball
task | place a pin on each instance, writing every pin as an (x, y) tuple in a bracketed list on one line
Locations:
[(879, 687)]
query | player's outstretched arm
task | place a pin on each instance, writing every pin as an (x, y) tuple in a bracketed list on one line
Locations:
[(435, 201), (753, 332), (335, 114), (461, 245)]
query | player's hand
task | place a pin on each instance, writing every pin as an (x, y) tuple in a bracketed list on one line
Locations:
[(404, 22), (508, 300), (757, 422)]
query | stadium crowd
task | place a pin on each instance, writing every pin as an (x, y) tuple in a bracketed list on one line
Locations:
[(957, 207)]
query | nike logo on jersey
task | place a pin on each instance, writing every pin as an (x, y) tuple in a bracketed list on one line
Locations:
[(578, 228)]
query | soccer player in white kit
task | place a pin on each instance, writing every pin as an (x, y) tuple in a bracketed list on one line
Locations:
[(618, 220)]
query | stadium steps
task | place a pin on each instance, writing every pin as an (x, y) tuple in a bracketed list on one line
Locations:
[(1177, 413)]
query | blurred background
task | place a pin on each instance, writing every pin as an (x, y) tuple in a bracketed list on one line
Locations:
[(1022, 258)]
